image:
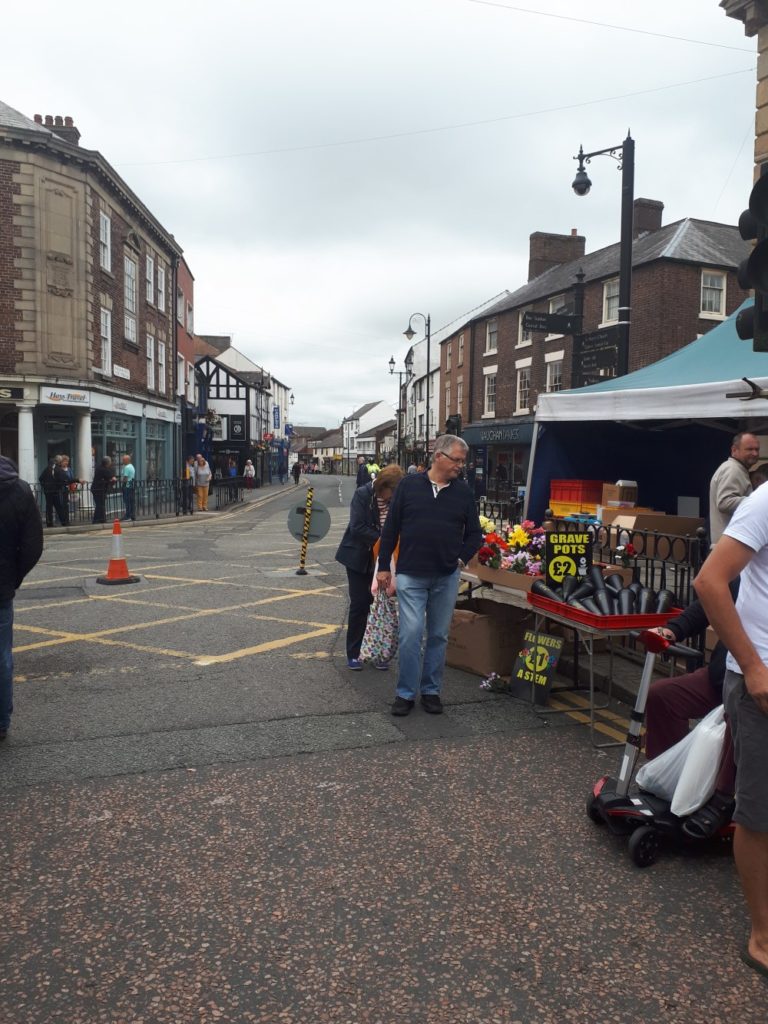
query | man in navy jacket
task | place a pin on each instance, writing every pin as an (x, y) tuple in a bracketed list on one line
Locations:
[(433, 515), (21, 544)]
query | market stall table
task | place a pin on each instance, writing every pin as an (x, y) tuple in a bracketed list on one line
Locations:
[(588, 628)]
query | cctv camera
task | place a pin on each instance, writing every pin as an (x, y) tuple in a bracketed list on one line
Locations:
[(581, 183)]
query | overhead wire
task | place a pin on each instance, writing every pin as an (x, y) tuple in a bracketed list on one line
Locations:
[(431, 131), (749, 134), (604, 24)]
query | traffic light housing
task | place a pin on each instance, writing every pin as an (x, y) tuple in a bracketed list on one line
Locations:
[(453, 425), (753, 271)]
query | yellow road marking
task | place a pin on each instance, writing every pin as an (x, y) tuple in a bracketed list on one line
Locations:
[(54, 604), (582, 702), (269, 645), (578, 716), (65, 637)]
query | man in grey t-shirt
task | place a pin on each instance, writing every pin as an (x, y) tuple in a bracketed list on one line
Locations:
[(730, 484)]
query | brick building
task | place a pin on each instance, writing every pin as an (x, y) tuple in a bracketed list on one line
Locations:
[(491, 370), (87, 295), (186, 387)]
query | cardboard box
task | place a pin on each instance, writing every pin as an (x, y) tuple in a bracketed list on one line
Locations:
[(622, 490), (607, 513), (485, 637), (670, 526)]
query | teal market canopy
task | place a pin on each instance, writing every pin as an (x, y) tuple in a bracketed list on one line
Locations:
[(688, 384)]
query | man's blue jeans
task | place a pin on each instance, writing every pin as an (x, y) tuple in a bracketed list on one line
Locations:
[(6, 663), (430, 600)]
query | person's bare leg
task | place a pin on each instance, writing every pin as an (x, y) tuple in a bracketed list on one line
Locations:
[(750, 851)]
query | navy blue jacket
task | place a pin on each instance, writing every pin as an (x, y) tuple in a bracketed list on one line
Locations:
[(693, 620), (361, 533), (21, 530), (434, 532)]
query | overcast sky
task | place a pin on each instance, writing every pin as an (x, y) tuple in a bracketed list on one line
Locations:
[(332, 167)]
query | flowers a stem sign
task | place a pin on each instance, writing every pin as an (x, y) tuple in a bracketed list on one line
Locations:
[(535, 666)]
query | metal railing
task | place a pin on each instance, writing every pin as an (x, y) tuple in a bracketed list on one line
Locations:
[(509, 510), (659, 560), (74, 506)]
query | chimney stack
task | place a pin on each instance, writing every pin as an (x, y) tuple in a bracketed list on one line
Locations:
[(647, 216), (64, 127), (547, 250)]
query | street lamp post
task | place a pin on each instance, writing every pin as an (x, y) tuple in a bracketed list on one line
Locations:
[(409, 333), (400, 374), (625, 155)]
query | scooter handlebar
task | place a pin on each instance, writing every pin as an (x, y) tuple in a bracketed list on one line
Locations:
[(653, 642), (657, 644)]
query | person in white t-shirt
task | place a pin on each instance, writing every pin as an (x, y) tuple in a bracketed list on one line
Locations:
[(743, 628)]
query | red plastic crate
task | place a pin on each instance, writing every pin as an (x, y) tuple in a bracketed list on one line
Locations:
[(603, 622), (581, 491)]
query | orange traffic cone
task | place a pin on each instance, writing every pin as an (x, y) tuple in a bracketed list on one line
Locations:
[(117, 568)]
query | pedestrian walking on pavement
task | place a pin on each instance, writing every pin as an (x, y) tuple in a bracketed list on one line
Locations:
[(296, 471), (188, 485), (202, 482), (434, 518), (128, 483), (370, 504), (249, 474), (103, 479), (21, 544), (54, 483), (363, 476)]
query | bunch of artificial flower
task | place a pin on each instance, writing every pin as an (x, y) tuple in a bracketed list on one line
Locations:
[(517, 548)]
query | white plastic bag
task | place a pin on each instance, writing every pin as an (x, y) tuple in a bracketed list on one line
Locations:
[(660, 776), (697, 781)]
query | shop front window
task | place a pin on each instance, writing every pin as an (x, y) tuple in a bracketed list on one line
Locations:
[(507, 469), (155, 450)]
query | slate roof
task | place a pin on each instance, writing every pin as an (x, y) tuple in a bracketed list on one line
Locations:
[(331, 439), (254, 377), (10, 118), (309, 433), (382, 428), (360, 412), (686, 241), (438, 337)]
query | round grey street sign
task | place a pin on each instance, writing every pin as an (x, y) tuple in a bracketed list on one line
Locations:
[(319, 525)]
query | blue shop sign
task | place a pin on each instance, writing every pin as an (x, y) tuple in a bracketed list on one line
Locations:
[(499, 433), (276, 417)]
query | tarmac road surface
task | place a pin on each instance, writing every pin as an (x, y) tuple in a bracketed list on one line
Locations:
[(206, 817)]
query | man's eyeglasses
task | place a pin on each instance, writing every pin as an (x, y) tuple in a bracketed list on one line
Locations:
[(453, 459)]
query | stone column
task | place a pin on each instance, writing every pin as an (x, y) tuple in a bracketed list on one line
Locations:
[(754, 15), (83, 445), (761, 116), (27, 444)]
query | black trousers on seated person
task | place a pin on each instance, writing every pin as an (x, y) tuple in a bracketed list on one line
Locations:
[(360, 599)]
